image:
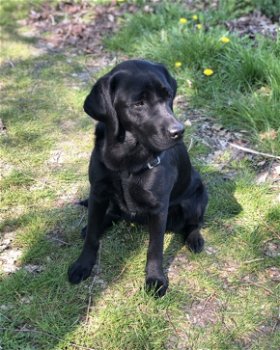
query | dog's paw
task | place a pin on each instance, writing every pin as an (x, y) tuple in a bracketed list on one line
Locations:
[(78, 272), (195, 242), (156, 285)]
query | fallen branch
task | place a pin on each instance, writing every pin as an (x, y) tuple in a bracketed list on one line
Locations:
[(249, 150)]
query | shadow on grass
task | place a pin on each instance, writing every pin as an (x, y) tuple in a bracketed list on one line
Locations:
[(39, 308)]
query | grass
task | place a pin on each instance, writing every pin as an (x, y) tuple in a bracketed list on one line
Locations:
[(244, 91), (223, 298)]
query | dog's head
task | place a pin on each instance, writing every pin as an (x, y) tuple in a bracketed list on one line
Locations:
[(137, 96)]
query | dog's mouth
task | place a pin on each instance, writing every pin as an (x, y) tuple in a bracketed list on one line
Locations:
[(165, 142)]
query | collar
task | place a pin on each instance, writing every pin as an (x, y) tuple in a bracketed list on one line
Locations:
[(150, 165)]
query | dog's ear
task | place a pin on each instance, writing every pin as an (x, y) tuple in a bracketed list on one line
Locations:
[(98, 104), (170, 81), (173, 84)]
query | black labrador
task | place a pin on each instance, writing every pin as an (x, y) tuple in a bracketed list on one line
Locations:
[(140, 168)]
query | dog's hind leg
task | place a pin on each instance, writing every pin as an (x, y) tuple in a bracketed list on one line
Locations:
[(191, 230), (194, 239)]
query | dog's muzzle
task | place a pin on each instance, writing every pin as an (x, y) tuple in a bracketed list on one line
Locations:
[(176, 131)]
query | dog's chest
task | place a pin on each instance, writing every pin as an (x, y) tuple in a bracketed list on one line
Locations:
[(131, 195)]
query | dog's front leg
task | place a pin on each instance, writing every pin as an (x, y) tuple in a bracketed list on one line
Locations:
[(81, 268), (155, 278)]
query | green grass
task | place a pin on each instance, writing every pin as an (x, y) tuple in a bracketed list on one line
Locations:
[(223, 298), (243, 92)]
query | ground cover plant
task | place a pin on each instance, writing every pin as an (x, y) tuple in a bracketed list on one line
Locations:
[(229, 91)]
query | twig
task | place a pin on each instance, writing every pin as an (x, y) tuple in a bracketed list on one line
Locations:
[(44, 333), (59, 240), (277, 322), (119, 275), (97, 267), (52, 20), (269, 291), (190, 145), (249, 150), (66, 36), (11, 63), (253, 260), (7, 318), (169, 319), (81, 220)]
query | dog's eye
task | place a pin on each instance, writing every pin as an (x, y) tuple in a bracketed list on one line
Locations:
[(139, 104)]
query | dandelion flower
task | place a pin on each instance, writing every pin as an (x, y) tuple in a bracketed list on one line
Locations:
[(208, 72), (195, 17), (225, 39), (178, 64), (198, 26), (183, 20)]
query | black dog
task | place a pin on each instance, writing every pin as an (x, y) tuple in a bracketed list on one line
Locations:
[(140, 169)]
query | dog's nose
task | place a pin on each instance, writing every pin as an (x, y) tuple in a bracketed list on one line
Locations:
[(176, 131)]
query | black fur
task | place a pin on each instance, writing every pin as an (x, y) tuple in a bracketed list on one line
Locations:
[(134, 106)]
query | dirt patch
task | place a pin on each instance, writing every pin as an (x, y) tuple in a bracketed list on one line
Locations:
[(34, 269), (204, 312), (224, 147), (177, 263), (272, 249), (252, 24), (209, 132), (9, 255), (264, 330), (228, 273), (273, 273), (81, 26)]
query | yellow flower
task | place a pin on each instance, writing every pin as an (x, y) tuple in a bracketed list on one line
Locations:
[(195, 17), (178, 64), (183, 20), (225, 39), (198, 26), (208, 72)]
